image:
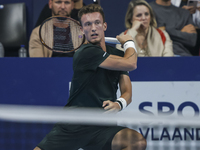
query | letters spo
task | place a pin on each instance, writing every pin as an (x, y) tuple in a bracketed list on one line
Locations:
[(143, 107)]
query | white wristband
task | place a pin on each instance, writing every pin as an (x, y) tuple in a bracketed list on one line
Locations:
[(122, 102), (129, 44)]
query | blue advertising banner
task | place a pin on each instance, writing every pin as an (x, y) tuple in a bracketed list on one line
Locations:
[(45, 81)]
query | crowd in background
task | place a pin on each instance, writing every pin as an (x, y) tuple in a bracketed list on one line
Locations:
[(159, 28)]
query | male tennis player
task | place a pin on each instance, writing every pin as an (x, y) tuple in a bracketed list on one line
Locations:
[(98, 69)]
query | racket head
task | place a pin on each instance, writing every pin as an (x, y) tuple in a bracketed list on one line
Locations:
[(61, 34)]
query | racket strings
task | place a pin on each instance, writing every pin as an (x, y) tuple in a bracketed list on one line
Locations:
[(62, 39)]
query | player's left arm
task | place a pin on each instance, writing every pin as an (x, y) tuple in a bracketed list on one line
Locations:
[(126, 94), (125, 88)]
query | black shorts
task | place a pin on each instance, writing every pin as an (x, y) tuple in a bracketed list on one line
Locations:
[(73, 137)]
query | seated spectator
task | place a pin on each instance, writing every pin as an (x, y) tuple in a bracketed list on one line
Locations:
[(36, 49), (195, 11), (141, 25), (178, 24), (46, 11)]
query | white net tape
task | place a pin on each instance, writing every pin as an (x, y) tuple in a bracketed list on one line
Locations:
[(53, 114)]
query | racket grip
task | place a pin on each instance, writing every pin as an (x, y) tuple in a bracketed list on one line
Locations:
[(111, 40)]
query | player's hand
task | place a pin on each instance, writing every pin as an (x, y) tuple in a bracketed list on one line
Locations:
[(192, 9), (189, 29), (110, 106), (123, 38)]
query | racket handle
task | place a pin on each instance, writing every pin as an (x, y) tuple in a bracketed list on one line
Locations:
[(111, 40)]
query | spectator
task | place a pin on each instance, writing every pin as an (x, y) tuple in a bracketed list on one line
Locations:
[(179, 25), (46, 11), (141, 25), (36, 49), (195, 11)]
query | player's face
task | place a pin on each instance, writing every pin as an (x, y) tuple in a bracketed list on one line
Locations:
[(93, 27), (142, 14), (61, 7)]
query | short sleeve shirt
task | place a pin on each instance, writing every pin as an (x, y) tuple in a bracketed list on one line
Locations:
[(91, 85)]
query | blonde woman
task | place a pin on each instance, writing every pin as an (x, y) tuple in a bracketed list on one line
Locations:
[(141, 25)]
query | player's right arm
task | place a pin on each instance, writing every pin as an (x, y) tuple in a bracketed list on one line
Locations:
[(126, 63)]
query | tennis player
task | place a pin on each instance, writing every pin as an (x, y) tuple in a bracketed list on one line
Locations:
[(98, 69)]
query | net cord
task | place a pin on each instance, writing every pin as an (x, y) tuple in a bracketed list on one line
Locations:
[(53, 114)]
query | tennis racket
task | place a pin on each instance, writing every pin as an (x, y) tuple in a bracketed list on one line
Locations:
[(63, 34)]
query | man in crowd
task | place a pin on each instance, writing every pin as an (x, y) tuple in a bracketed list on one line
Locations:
[(179, 25), (36, 49)]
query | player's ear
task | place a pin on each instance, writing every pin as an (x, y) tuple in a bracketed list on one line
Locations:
[(105, 26)]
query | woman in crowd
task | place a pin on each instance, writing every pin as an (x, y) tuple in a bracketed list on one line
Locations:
[(141, 25)]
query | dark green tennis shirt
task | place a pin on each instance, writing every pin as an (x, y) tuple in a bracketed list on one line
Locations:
[(91, 85)]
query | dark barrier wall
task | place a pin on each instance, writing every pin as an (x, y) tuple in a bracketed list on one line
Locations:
[(39, 81)]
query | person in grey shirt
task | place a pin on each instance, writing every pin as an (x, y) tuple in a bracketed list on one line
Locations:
[(179, 25), (1, 50)]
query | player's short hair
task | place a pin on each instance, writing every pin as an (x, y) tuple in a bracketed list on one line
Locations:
[(129, 13), (91, 8)]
